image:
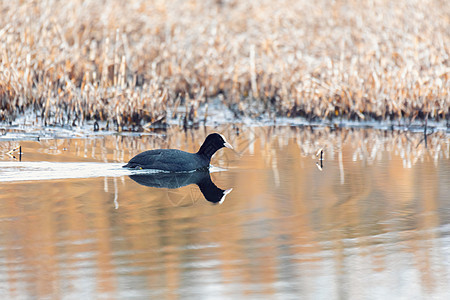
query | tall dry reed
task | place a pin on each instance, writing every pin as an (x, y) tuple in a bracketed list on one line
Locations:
[(140, 62)]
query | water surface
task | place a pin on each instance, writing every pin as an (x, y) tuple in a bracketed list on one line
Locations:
[(370, 221)]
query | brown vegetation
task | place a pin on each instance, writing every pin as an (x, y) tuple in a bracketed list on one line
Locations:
[(139, 62)]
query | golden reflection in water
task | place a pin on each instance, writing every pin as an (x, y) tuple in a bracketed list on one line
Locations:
[(373, 222)]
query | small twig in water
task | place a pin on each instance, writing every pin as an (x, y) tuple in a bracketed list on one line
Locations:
[(10, 153), (319, 164)]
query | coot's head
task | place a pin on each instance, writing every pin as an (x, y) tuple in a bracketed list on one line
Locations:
[(212, 143)]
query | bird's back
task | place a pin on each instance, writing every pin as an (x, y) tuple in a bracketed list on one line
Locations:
[(168, 160)]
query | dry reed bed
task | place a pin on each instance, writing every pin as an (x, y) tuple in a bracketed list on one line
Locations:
[(139, 62)]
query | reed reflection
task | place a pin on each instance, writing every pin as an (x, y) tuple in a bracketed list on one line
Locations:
[(377, 214), (202, 179)]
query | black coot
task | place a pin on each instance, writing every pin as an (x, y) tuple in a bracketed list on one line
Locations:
[(173, 160)]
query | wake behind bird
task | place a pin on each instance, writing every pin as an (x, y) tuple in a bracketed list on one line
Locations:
[(31, 171)]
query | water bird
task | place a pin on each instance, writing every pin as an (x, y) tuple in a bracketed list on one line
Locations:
[(173, 160)]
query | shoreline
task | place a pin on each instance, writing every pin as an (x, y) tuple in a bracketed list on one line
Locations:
[(25, 131)]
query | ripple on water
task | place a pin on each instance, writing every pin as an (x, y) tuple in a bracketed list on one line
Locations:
[(29, 171)]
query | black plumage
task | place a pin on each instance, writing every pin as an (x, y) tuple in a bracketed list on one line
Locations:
[(173, 160)]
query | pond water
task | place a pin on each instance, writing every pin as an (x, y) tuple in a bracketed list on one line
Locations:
[(369, 221)]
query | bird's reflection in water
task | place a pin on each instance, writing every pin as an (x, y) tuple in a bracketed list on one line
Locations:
[(176, 180)]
